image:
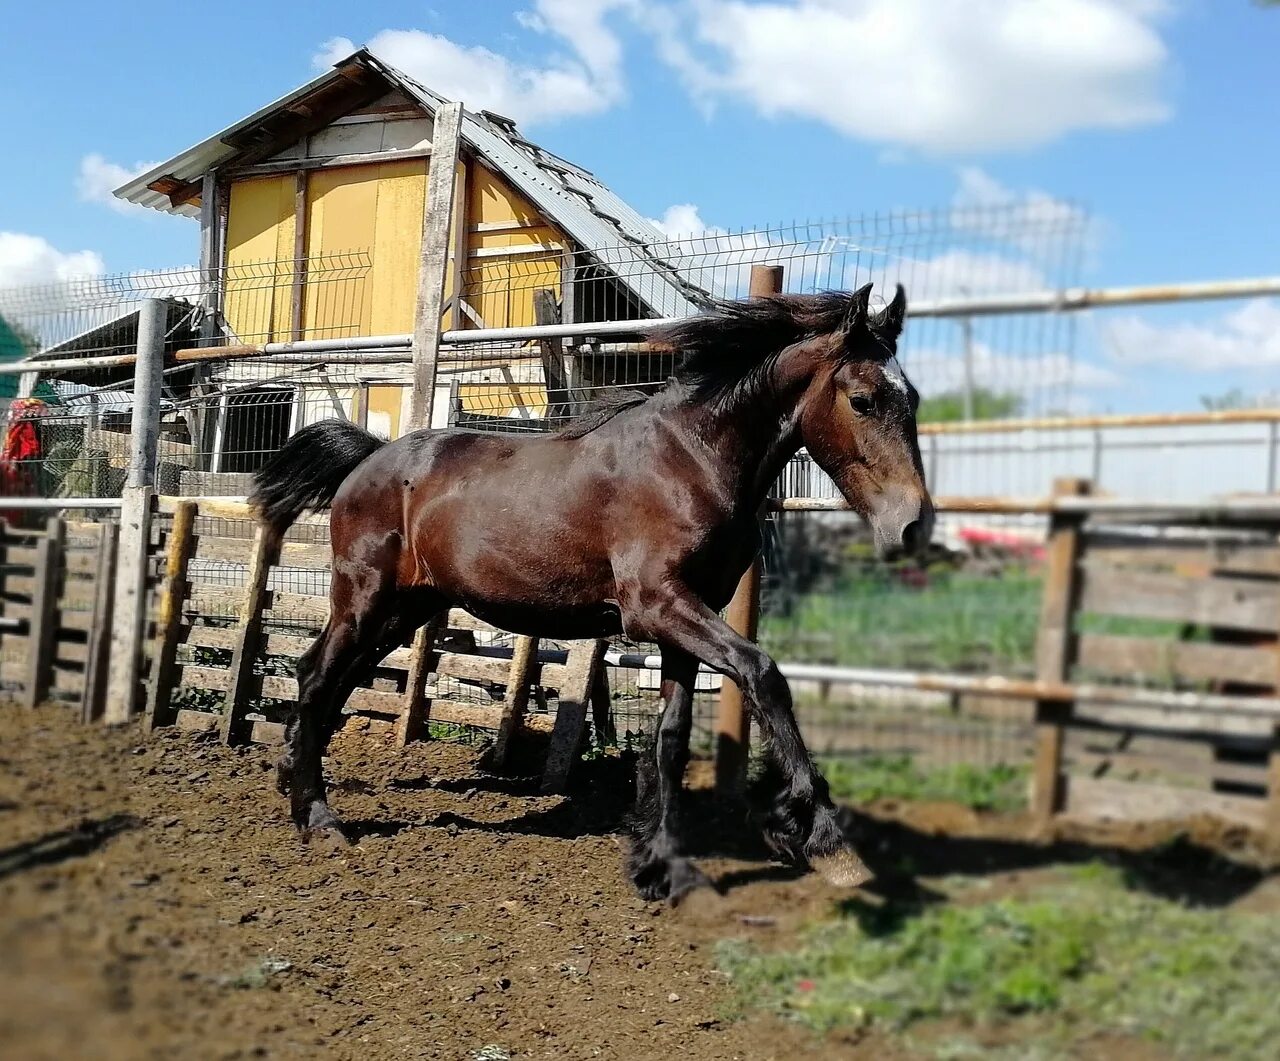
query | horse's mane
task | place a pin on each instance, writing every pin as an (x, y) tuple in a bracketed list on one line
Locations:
[(726, 350), (602, 411)]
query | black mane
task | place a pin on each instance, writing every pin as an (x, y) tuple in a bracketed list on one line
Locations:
[(726, 349)]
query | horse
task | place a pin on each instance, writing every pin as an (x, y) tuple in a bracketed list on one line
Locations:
[(638, 520)]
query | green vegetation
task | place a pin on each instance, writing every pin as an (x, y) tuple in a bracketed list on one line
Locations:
[(948, 407), (1081, 956), (1001, 787), (960, 621)]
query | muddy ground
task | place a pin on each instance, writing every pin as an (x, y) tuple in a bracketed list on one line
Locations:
[(155, 903)]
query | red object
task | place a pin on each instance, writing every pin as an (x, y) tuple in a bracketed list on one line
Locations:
[(21, 447)]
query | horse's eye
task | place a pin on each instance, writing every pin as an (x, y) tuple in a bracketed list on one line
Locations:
[(863, 404)]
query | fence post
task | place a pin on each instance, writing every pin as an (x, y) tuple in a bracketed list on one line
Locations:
[(733, 726), (43, 638), (241, 686), (98, 660), (434, 264), (169, 621), (123, 682), (1055, 650)]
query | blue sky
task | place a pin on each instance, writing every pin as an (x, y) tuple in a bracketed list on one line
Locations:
[(1159, 116)]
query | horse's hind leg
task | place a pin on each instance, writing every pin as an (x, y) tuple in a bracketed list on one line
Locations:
[(656, 863)]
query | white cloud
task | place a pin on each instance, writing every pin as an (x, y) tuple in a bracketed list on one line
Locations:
[(979, 76), (585, 79), (29, 260), (937, 372), (1247, 336), (98, 178), (683, 219)]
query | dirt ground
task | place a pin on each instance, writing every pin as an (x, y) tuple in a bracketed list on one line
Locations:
[(155, 903)]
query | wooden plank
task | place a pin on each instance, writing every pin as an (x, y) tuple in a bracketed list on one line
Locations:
[(1190, 661), (1055, 650), (458, 251), (436, 222), (1113, 751), (190, 676), (1217, 556), (299, 253), (160, 684), (491, 669), (74, 593), (556, 380), (460, 620), (1226, 602), (196, 721), (585, 657), (265, 546), (292, 554), (1208, 723), (75, 562), (43, 631), (1094, 798), (520, 673), (415, 707), (462, 714), (101, 620)]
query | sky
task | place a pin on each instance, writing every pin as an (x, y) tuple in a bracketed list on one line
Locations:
[(1157, 116)]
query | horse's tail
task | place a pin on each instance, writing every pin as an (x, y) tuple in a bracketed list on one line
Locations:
[(306, 471)]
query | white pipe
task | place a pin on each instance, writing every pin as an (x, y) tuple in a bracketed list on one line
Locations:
[(40, 503)]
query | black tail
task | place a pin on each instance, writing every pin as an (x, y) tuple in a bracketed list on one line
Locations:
[(306, 471)]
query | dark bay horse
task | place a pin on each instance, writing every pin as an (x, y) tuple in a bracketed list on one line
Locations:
[(639, 520)]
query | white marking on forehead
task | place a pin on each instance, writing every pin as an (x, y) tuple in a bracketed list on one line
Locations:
[(894, 374)]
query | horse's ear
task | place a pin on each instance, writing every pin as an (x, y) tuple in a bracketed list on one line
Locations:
[(855, 319), (888, 322)]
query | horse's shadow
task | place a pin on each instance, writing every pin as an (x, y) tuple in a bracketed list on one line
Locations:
[(902, 858)]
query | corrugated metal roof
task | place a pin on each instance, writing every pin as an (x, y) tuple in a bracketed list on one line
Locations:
[(596, 219)]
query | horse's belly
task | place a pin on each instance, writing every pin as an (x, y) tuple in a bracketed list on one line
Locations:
[(600, 620)]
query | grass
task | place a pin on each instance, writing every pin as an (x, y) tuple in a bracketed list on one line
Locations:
[(1001, 787), (958, 621), (1081, 956)]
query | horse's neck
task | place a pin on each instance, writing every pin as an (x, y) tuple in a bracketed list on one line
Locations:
[(753, 442)]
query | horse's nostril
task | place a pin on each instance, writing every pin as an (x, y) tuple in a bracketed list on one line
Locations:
[(913, 536)]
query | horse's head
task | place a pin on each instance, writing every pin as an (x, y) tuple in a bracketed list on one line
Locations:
[(857, 418)]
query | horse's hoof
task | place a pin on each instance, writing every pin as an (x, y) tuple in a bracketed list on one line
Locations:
[(326, 836), (670, 879), (842, 869)]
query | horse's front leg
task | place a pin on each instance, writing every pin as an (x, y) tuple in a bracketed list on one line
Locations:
[(656, 863), (802, 824)]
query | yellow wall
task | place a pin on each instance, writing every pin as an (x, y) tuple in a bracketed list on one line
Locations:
[(363, 242), (259, 277)]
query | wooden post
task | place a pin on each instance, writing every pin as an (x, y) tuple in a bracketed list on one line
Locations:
[(241, 684), (43, 636), (1055, 650), (554, 377), (169, 621), (733, 726), (585, 658), (523, 660), (432, 270), (135, 518), (97, 660), (297, 293), (423, 659)]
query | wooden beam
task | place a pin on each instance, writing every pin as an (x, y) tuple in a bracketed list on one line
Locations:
[(458, 253), (545, 311), (733, 726), (43, 634), (97, 659), (585, 659), (524, 660), (437, 216), (164, 656), (415, 711), (240, 686), (306, 165), (298, 289), (1055, 650)]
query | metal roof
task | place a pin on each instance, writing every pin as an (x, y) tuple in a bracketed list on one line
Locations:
[(596, 219)]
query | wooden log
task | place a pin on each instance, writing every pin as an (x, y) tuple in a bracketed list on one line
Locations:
[(585, 658), (181, 543), (433, 265), (415, 709), (520, 673), (44, 613), (1055, 650), (101, 621), (545, 311), (266, 546)]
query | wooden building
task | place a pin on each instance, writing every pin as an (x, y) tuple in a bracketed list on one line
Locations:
[(312, 216)]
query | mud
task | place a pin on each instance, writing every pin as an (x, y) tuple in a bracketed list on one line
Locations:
[(154, 903)]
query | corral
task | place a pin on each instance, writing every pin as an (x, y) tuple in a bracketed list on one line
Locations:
[(1092, 649)]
